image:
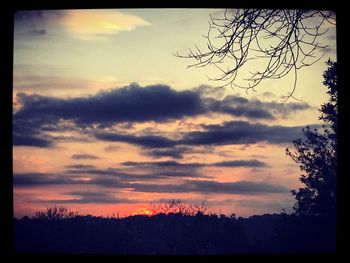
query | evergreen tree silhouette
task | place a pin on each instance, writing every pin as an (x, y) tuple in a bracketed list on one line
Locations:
[(317, 157)]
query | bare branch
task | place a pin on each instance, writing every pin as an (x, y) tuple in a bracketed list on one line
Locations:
[(284, 41)]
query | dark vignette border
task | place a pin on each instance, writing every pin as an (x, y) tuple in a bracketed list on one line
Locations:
[(6, 68)]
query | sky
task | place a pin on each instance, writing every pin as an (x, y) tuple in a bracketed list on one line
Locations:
[(106, 120)]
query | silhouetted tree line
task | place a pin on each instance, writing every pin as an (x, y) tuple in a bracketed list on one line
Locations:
[(175, 233)]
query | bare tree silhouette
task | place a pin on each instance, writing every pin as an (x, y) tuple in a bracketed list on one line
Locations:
[(282, 40), (55, 213)]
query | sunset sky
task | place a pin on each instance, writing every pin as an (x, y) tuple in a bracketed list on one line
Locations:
[(106, 118)]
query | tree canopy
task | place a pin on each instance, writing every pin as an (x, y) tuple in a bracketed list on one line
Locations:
[(317, 157)]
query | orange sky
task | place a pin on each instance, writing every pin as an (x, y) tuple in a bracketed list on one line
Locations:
[(73, 59)]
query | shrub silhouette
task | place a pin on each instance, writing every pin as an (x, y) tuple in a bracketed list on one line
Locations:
[(176, 206), (55, 213)]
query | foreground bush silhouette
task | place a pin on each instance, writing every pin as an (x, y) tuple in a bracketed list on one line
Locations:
[(175, 233)]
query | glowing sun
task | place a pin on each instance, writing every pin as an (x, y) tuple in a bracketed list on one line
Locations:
[(144, 212)]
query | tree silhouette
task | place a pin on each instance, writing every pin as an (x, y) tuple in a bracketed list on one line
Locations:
[(178, 207), (282, 40), (317, 157), (55, 213)]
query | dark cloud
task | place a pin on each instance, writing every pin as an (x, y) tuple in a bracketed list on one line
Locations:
[(37, 32), (84, 157), (20, 139), (241, 132), (240, 187), (254, 109), (187, 186), (129, 104), (153, 173), (39, 115), (35, 23), (28, 133), (89, 197), (39, 179), (236, 163), (175, 152), (137, 104), (150, 141), (163, 164), (241, 163), (238, 106), (38, 16), (233, 132), (80, 166)]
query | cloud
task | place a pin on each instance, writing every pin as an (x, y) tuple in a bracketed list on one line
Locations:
[(175, 152), (254, 109), (39, 179), (129, 104), (150, 141), (241, 163), (84, 157), (241, 132), (240, 187), (235, 163), (37, 32), (111, 148), (21, 139), (98, 24), (209, 91), (153, 173), (80, 166), (237, 106), (137, 104), (26, 133), (35, 23), (82, 24), (228, 133), (91, 198), (159, 103), (188, 186)]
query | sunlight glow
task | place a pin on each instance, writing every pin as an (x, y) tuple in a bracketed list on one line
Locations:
[(143, 212), (94, 24)]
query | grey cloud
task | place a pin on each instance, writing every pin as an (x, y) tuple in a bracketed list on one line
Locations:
[(241, 132), (150, 141), (37, 32), (133, 103), (174, 152), (80, 166), (89, 197), (241, 187), (234, 163), (228, 133), (39, 179), (241, 163), (128, 104), (254, 109), (34, 141), (84, 157), (196, 186), (153, 173)]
